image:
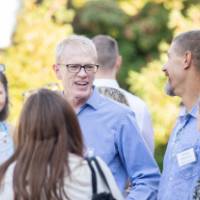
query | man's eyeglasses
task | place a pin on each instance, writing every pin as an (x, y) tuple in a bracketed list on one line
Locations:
[(76, 68)]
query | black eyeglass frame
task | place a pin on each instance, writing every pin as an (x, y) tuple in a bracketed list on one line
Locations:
[(87, 67)]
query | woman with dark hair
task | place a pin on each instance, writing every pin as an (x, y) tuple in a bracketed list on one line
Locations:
[(6, 142), (48, 163)]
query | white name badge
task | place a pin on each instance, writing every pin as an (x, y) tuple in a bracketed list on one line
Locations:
[(186, 157)]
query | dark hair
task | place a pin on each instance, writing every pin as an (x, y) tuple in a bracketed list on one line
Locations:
[(47, 132), (4, 111), (189, 41), (107, 51)]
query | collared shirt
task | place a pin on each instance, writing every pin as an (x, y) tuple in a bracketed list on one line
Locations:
[(110, 131), (138, 106), (182, 159)]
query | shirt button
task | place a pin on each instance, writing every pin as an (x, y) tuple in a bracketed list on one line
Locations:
[(170, 178)]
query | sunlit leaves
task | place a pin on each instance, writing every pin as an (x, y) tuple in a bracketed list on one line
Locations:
[(29, 61)]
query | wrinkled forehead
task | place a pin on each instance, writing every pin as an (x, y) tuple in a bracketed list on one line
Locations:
[(76, 49)]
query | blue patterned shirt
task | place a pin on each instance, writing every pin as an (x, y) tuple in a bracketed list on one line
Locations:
[(179, 177)]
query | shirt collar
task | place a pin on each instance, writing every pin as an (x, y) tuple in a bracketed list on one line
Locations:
[(94, 99), (193, 112), (108, 82)]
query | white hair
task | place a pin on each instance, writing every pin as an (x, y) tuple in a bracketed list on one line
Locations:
[(74, 44)]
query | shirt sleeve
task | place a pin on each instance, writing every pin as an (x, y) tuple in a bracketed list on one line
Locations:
[(110, 179), (138, 162), (147, 129)]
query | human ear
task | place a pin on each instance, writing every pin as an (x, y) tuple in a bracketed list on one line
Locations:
[(118, 63), (187, 59), (57, 71)]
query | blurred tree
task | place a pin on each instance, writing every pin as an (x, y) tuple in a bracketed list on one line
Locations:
[(137, 35), (100, 17), (148, 84), (29, 61)]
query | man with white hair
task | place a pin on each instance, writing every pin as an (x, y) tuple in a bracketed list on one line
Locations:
[(109, 129)]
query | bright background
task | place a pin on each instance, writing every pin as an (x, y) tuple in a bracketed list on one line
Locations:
[(143, 28)]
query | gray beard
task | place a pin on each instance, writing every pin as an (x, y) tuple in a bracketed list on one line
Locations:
[(169, 90)]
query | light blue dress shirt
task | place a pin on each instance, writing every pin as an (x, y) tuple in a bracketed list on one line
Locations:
[(110, 131), (138, 106), (178, 180)]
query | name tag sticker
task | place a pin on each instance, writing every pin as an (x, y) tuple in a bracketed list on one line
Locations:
[(186, 157)]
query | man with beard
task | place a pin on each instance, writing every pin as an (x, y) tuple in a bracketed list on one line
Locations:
[(181, 167)]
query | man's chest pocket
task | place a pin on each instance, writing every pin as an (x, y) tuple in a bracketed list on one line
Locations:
[(188, 162)]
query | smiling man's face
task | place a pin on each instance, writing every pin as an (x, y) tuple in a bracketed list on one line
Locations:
[(174, 71), (77, 86)]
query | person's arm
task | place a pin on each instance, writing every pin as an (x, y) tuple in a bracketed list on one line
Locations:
[(140, 165)]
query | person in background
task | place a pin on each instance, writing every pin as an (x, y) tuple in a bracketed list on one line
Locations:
[(181, 167), (109, 128), (114, 94), (6, 141), (48, 162), (109, 61)]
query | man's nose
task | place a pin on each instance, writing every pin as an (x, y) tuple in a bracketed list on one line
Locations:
[(82, 72)]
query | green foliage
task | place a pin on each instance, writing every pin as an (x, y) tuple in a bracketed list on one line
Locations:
[(137, 35), (100, 17), (29, 61), (149, 84)]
